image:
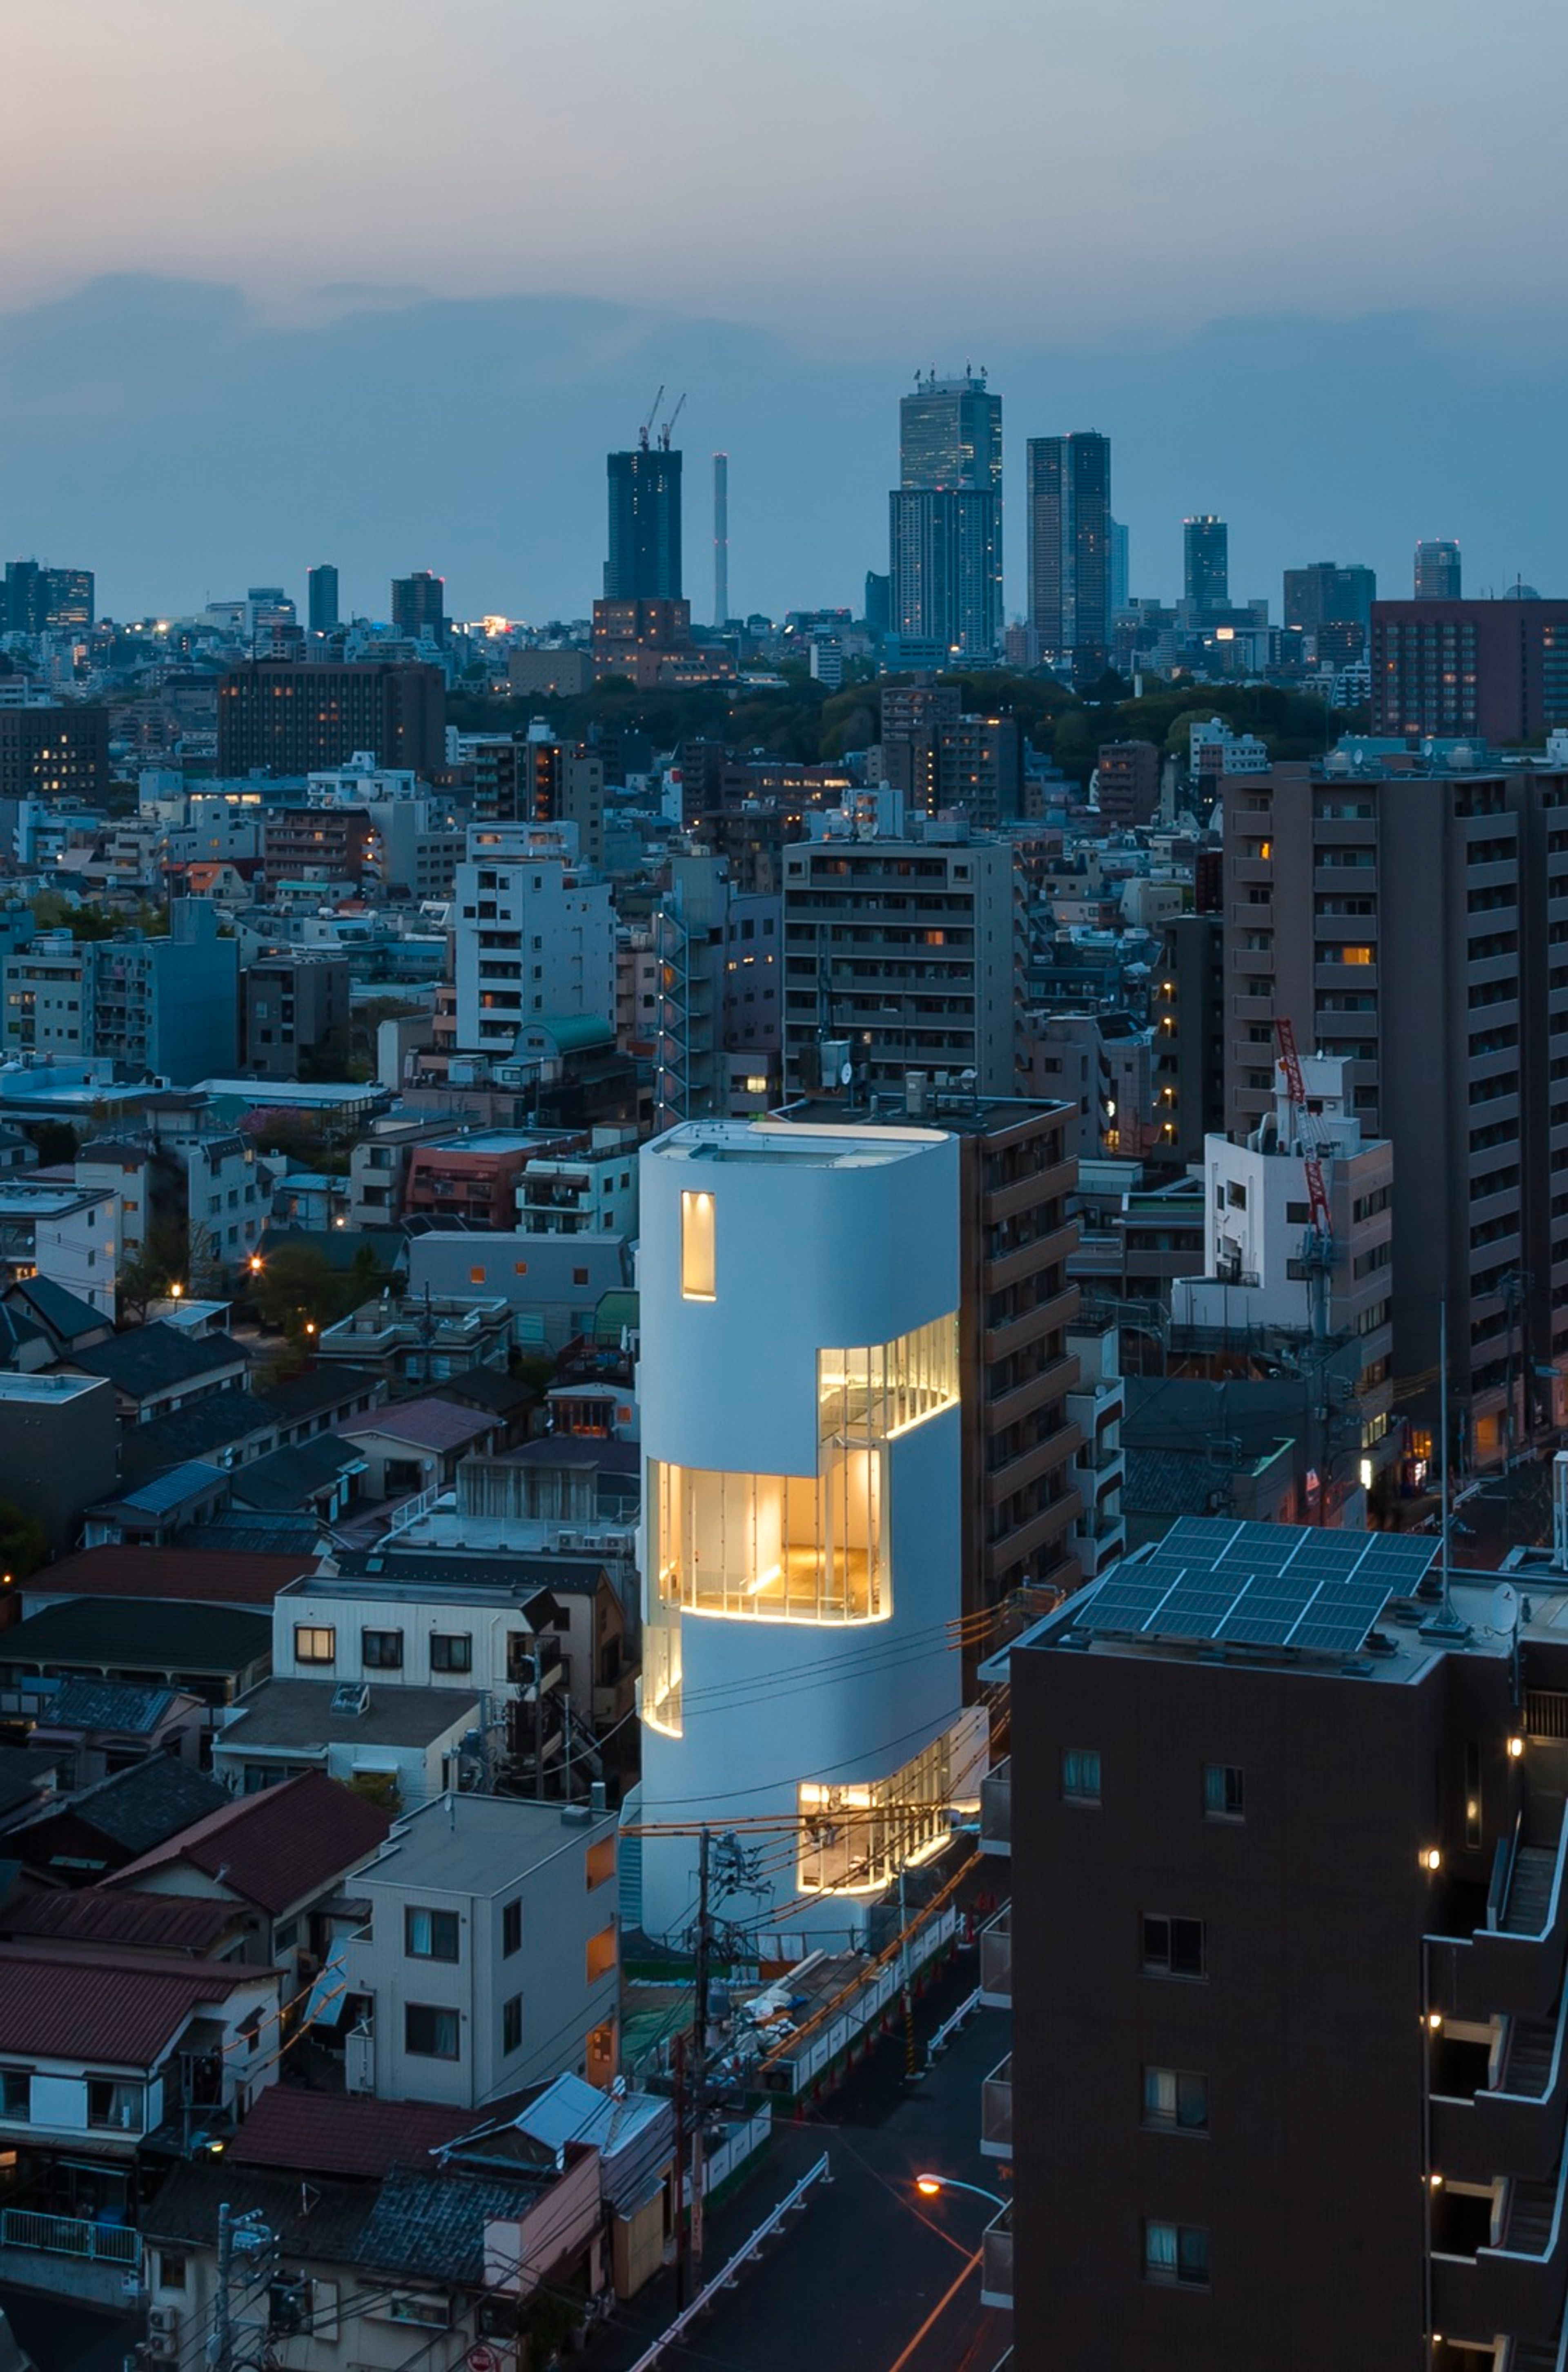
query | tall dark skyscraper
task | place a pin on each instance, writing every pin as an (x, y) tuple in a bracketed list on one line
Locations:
[(419, 604), (1437, 572), (645, 526), (1205, 562), (1070, 531), (44, 601), (322, 595), (1325, 595), (945, 517)]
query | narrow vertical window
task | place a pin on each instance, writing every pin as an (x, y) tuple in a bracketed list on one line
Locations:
[(697, 1246)]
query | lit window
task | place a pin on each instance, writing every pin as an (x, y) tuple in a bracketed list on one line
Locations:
[(600, 1959), (697, 1246), (1355, 954), (476, 1276), (313, 1644)]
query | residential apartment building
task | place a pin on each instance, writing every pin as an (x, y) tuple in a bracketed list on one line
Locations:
[(803, 1498), (1411, 924), (490, 1959), (1262, 1788), (296, 1010), (55, 753), (474, 1174), (1495, 671), (62, 1432), (900, 954), (534, 935), (718, 957), (1069, 557), (168, 1006), (66, 1233), (592, 1192), (1187, 1002), (284, 717)]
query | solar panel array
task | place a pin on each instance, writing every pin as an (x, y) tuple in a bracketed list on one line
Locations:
[(1241, 1585)]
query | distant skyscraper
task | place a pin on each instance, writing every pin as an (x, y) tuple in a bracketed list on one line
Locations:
[(721, 539), (1120, 572), (878, 602), (1205, 561), (944, 521), (1324, 595), (419, 604), (950, 435), (1437, 572), (644, 526), (322, 595), (1069, 533)]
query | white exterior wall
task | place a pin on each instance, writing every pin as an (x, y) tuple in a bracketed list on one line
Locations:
[(818, 1245), (77, 1246), (446, 1611), (545, 898)]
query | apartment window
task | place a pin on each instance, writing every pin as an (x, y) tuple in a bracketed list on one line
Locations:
[(114, 2106), (15, 2095), (313, 1643), (430, 1935), (1224, 1792), (512, 1929), (1173, 1947), (381, 1651), (451, 1651), (430, 2032), (599, 1959), (1080, 1775), (697, 1246), (1176, 2252), (1175, 2101), (171, 2265), (512, 2025), (600, 1862), (476, 1276)]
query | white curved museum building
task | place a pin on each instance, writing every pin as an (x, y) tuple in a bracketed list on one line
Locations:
[(799, 1392)]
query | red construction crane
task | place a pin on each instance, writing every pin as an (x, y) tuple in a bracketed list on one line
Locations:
[(1306, 1127)]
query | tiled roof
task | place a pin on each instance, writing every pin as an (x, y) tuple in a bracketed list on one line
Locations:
[(153, 1357), (317, 1390), (487, 1387), (225, 1418), (275, 1848), (323, 2132), (64, 1314), (285, 1479), (322, 2221), (137, 1808), (139, 1635), (122, 1705), (219, 1579), (164, 1490), (100, 1915), (22, 1772), (424, 1424), (116, 2010), (433, 2225)]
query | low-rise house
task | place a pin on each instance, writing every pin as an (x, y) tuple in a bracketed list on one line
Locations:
[(214, 1651), (64, 1232), (156, 1368), (393, 2247), (408, 1741), (416, 1444), (96, 1727), (190, 1577), (113, 2066), (155, 1512), (28, 1780), (490, 1958), (321, 1399), (282, 1855), (70, 1323), (77, 1838), (550, 1284), (226, 1429), (316, 1478), (124, 1921), (421, 1338)]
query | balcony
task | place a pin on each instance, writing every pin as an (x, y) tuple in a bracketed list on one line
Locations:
[(996, 2261), (996, 1960), (996, 2111), (1518, 2122), (71, 2236), (996, 1809), (1517, 2285), (1048, 1316), (1023, 1193), (1513, 1966)]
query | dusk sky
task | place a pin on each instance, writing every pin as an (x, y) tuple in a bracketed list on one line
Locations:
[(369, 281)]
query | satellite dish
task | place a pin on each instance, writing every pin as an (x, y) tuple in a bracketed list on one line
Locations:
[(846, 1073), (1505, 1609)]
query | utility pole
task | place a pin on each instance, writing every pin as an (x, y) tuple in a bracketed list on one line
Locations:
[(904, 1963), (699, 2071), (683, 2250), (220, 2347)]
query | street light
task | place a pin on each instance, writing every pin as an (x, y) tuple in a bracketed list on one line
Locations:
[(930, 2185)]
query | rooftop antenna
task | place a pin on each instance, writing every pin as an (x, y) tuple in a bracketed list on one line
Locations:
[(646, 431)]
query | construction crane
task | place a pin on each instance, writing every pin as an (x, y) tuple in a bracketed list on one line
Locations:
[(667, 431), (646, 429), (1317, 1245)]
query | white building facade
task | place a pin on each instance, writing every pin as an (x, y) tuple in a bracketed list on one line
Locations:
[(534, 935), (801, 1550)]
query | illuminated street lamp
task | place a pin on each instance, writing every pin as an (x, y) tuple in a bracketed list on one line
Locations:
[(930, 2186)]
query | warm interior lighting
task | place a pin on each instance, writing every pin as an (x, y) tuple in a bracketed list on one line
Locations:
[(696, 1245), (1516, 1747), (1431, 1858)]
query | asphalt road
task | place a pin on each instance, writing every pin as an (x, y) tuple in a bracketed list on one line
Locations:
[(868, 2276)]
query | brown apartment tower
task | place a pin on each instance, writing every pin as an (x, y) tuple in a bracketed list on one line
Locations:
[(1416, 924), (276, 717), (1495, 671), (1286, 1950)]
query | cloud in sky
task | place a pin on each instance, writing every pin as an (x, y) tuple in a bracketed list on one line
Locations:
[(166, 434)]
